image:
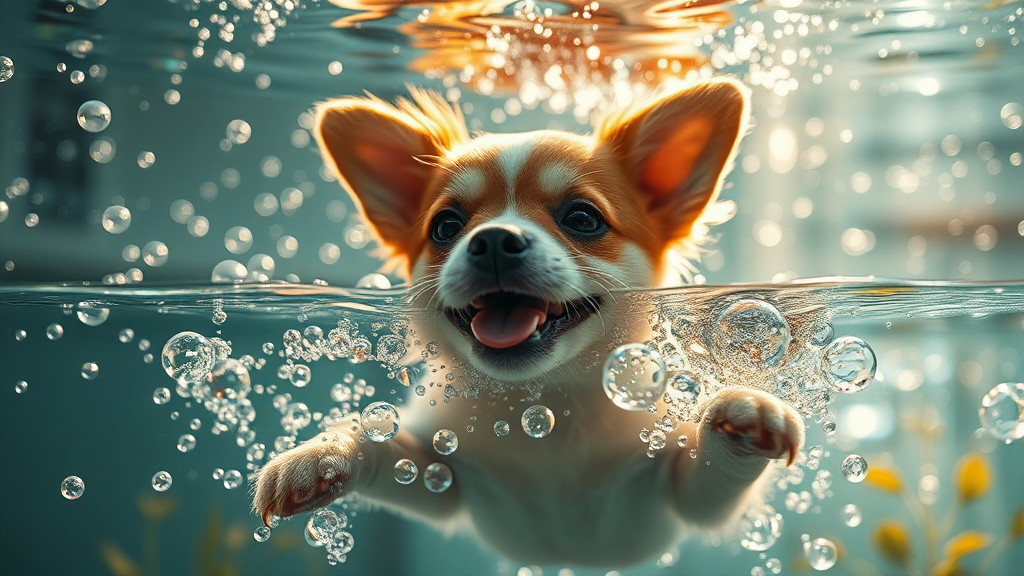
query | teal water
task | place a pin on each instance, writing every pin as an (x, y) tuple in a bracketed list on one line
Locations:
[(887, 142)]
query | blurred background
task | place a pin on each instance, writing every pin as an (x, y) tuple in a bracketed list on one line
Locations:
[(887, 141)]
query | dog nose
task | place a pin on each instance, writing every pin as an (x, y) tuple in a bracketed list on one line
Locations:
[(497, 248)]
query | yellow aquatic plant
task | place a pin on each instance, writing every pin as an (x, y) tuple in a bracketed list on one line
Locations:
[(965, 543), (893, 540), (973, 477), (884, 479)]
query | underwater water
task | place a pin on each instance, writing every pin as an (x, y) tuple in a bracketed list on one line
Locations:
[(150, 148)]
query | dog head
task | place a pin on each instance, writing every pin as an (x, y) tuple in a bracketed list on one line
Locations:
[(519, 238)]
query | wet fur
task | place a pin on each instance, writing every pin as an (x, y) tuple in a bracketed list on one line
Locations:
[(586, 494)]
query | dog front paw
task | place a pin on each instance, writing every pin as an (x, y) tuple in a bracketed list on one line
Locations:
[(755, 422), (305, 478)]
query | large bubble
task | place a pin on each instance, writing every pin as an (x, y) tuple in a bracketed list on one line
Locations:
[(187, 357), (634, 376), (752, 332)]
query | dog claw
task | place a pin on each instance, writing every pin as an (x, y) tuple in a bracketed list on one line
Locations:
[(756, 422)]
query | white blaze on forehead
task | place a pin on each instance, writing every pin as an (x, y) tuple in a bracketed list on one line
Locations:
[(556, 177), (512, 157), (467, 183)]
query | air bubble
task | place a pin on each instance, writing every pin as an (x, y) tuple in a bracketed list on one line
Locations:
[(238, 240), (854, 468), (187, 357), (445, 442), (232, 479), (374, 282), (6, 68), (821, 554), (437, 477), (162, 481), (116, 219), (1002, 412), (90, 370), (760, 528), (380, 423), (229, 272), (155, 253), (72, 487), (634, 376), (501, 428), (239, 131), (848, 364), (186, 443), (753, 332), (406, 471), (54, 331), (538, 421), (94, 116), (91, 313), (261, 534), (851, 515)]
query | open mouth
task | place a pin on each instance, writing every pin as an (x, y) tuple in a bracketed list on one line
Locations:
[(511, 321)]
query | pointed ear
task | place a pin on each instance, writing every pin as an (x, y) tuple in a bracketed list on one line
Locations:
[(677, 149), (383, 156)]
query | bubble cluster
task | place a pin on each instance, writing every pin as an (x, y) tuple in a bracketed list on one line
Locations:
[(1002, 411), (380, 423), (72, 487), (634, 376), (538, 421)]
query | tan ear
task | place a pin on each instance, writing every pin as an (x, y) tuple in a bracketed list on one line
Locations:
[(677, 149), (384, 156)]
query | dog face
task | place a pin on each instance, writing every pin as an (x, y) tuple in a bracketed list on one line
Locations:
[(519, 239)]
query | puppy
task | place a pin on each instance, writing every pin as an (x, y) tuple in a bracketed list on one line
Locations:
[(515, 241)]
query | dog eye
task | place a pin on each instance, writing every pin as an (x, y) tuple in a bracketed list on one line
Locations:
[(446, 225), (583, 219)]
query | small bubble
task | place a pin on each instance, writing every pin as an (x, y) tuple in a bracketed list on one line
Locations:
[(229, 272), (854, 468), (116, 219), (261, 534), (681, 442), (162, 481), (94, 116), (821, 554), (155, 253), (232, 479), (238, 240), (239, 131), (1002, 412), (334, 68), (146, 159), (374, 282), (633, 377), (445, 442), (849, 363), (6, 68), (218, 473), (501, 428), (90, 370), (20, 335), (538, 421), (851, 515), (186, 443), (406, 471), (380, 423), (20, 387), (437, 477), (161, 396), (72, 487), (54, 331)]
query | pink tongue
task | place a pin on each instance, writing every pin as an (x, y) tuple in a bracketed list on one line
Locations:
[(504, 327)]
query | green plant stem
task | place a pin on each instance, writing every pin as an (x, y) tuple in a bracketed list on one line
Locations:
[(993, 553), (151, 543)]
